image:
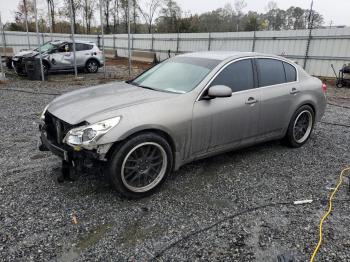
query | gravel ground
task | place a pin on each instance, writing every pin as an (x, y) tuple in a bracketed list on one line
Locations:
[(36, 211)]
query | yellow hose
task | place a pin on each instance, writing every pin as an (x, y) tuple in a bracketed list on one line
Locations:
[(340, 181)]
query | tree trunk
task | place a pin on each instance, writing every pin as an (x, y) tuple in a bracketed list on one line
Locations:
[(135, 15), (53, 22), (73, 15), (52, 11)]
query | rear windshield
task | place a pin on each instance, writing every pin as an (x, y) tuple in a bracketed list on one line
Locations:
[(177, 75)]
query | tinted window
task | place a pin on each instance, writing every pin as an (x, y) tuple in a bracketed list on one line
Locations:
[(291, 73), (238, 76), (82, 47), (271, 72)]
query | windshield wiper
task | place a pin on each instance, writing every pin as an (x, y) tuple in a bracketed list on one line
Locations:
[(131, 83), (145, 87), (151, 88)]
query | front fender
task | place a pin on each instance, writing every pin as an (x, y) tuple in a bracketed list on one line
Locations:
[(155, 128)]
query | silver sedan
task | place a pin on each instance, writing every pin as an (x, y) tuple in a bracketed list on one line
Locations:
[(189, 107)]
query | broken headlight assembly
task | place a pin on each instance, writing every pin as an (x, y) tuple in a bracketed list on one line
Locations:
[(42, 116), (88, 134)]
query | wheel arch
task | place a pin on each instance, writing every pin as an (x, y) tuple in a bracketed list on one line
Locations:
[(95, 59), (313, 107), (296, 108), (135, 133), (308, 100), (47, 63)]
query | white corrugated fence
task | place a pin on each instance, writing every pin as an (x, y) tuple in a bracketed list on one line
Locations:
[(315, 51)]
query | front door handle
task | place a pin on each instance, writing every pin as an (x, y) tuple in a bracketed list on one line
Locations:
[(251, 101), (294, 91)]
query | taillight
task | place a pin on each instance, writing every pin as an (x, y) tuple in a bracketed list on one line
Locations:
[(324, 88)]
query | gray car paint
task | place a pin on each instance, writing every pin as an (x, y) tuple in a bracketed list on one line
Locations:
[(196, 128)]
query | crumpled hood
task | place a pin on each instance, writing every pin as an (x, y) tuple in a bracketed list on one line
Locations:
[(26, 53), (83, 104)]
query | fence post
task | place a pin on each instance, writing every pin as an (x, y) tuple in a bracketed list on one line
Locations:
[(98, 41), (209, 41), (307, 48), (3, 37), (177, 43), (72, 29), (38, 41), (103, 42), (26, 19), (113, 42), (2, 76), (254, 39), (152, 43), (43, 37), (132, 42)]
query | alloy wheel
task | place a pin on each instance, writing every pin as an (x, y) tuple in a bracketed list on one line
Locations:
[(302, 126), (144, 167), (92, 67)]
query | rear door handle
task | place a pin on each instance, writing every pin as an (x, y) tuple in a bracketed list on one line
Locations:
[(294, 91), (251, 101)]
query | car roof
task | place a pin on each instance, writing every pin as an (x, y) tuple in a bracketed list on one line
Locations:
[(223, 55), (70, 41)]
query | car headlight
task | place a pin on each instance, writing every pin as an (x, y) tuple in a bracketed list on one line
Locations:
[(42, 116), (85, 135)]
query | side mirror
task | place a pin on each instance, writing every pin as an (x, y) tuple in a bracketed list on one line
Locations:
[(219, 91)]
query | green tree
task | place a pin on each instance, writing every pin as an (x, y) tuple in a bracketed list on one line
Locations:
[(170, 16), (252, 22)]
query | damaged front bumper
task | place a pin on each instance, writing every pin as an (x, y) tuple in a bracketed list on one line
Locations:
[(69, 153)]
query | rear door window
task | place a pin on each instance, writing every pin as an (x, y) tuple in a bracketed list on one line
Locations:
[(83, 47), (78, 47), (238, 76), (87, 47), (270, 72), (291, 73)]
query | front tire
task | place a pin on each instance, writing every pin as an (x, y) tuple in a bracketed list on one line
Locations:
[(91, 66), (140, 165), (300, 127), (46, 68)]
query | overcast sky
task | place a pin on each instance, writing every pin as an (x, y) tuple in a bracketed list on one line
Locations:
[(332, 10)]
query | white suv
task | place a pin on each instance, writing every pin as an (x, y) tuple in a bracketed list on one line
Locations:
[(58, 55)]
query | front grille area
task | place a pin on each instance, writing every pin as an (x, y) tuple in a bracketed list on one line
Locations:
[(56, 129)]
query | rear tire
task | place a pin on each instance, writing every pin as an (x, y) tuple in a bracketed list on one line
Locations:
[(91, 66), (340, 85), (300, 127), (140, 165)]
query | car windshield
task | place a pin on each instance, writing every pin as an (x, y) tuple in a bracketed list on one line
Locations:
[(177, 75), (46, 47)]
